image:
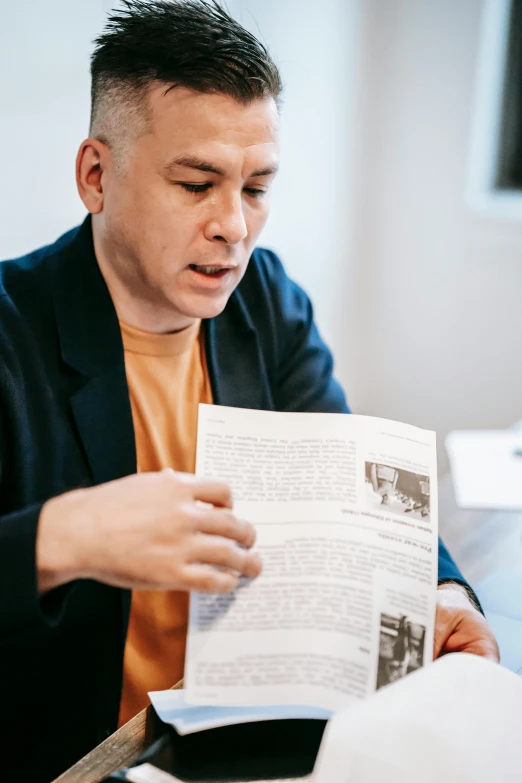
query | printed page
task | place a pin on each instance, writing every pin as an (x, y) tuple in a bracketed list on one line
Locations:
[(345, 512)]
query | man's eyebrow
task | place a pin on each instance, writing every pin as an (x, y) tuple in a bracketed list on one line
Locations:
[(191, 162), (266, 172), (198, 164)]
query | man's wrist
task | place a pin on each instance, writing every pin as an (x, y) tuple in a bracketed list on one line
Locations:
[(452, 584), (55, 551)]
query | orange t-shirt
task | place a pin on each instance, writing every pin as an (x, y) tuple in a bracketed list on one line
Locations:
[(167, 378)]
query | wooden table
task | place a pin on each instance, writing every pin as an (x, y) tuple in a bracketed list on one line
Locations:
[(120, 749), (479, 541)]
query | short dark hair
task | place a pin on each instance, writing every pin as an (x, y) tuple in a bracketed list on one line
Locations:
[(182, 43)]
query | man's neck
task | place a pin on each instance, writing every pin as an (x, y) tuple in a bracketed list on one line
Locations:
[(132, 305)]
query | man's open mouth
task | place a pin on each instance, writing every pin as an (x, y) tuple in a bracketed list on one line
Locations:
[(211, 271)]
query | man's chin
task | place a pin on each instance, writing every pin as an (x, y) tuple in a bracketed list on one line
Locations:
[(204, 308)]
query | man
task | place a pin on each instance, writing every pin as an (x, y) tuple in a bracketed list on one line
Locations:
[(110, 338)]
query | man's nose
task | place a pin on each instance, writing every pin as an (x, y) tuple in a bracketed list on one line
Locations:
[(228, 221)]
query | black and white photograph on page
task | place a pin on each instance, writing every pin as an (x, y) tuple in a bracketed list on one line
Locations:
[(401, 648), (397, 491)]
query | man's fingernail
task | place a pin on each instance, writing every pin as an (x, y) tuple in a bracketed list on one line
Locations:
[(256, 566), (248, 534)]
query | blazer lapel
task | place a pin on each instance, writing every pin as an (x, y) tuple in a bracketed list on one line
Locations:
[(104, 421), (237, 369), (91, 344)]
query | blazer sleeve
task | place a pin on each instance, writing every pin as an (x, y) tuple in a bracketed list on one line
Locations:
[(22, 610), (304, 379)]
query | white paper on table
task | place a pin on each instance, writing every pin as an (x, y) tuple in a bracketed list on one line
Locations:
[(459, 719), (486, 468), (173, 709)]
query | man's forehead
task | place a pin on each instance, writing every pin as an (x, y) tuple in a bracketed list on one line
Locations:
[(184, 115)]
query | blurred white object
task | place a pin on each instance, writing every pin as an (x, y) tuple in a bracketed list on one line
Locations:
[(458, 719), (486, 468), (499, 594)]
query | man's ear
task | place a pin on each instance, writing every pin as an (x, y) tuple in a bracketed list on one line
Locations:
[(91, 164)]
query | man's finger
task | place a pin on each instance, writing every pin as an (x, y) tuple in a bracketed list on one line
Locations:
[(212, 491), (205, 579), (222, 522), (216, 492), (444, 628), (219, 552)]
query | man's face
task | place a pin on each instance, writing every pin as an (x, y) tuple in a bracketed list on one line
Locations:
[(181, 216)]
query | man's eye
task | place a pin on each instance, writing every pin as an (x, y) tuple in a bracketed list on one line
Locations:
[(255, 192), (203, 187), (190, 188)]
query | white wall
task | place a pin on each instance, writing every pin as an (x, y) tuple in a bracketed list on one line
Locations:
[(441, 285), (316, 46), (44, 111), (44, 49)]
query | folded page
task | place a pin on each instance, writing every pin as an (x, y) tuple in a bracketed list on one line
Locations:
[(172, 708)]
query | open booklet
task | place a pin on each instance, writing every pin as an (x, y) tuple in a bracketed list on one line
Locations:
[(345, 509)]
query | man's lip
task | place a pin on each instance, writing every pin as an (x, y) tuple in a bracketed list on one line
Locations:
[(210, 266), (217, 281)]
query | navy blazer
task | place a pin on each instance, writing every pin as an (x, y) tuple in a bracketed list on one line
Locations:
[(65, 422)]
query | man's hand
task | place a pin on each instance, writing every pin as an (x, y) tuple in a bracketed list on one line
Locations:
[(460, 627), (146, 531)]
